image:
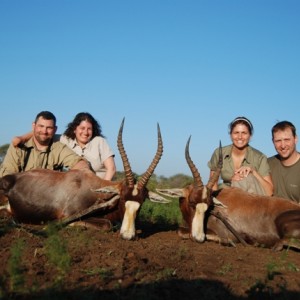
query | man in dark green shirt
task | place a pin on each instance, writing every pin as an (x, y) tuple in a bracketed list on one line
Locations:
[(285, 166)]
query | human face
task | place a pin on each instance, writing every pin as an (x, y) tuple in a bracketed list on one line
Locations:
[(285, 143), (84, 133), (240, 136), (43, 131)]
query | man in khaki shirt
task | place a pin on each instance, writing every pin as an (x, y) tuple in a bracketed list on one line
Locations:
[(41, 151)]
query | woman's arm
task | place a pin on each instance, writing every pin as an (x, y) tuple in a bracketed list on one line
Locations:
[(265, 181), (110, 167), (21, 139)]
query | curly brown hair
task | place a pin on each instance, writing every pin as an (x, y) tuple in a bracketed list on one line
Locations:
[(83, 116)]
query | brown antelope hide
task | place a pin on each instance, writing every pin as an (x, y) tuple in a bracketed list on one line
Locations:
[(40, 195), (231, 215)]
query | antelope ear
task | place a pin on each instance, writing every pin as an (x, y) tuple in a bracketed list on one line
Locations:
[(173, 193), (157, 198), (218, 203), (107, 190)]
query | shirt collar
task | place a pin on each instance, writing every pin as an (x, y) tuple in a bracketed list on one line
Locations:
[(30, 145), (75, 144), (228, 150)]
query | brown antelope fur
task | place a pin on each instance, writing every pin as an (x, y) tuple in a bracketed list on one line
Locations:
[(40, 195), (231, 215)]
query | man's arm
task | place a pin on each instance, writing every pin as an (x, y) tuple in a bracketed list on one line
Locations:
[(11, 161)]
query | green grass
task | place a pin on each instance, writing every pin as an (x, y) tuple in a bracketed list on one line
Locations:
[(57, 253), (15, 268), (162, 214), (273, 268), (103, 273)]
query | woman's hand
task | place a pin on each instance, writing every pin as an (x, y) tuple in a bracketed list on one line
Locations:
[(21, 139), (241, 173)]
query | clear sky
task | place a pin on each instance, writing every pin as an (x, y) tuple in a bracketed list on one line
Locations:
[(191, 66)]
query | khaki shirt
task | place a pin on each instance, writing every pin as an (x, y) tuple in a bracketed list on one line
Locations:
[(95, 152), (253, 158), (58, 157)]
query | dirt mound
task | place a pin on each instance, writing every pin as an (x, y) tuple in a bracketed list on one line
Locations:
[(80, 263)]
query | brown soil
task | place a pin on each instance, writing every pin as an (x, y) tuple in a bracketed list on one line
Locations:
[(157, 265)]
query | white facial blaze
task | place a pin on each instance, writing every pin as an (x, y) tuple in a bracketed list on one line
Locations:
[(6, 207), (128, 225), (135, 190), (198, 222)]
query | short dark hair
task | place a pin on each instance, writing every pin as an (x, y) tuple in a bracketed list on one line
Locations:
[(47, 115), (241, 120), (282, 125)]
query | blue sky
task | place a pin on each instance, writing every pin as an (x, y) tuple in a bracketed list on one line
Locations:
[(191, 66)]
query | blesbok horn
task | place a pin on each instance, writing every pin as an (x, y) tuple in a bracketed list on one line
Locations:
[(146, 176), (127, 168), (196, 175), (217, 173)]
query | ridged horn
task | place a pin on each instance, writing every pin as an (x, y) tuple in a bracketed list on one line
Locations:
[(146, 176), (216, 175), (196, 175), (127, 168)]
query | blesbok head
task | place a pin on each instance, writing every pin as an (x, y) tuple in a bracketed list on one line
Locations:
[(195, 199), (40, 195), (235, 215), (133, 193)]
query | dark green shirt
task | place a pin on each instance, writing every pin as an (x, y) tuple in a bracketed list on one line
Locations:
[(286, 179), (253, 158)]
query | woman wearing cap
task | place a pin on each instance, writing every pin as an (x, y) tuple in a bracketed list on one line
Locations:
[(243, 165)]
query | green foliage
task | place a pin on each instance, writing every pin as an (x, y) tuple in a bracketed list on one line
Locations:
[(103, 273), (15, 268), (176, 181), (274, 268), (166, 274), (163, 214), (119, 176), (225, 269), (57, 252), (3, 150)]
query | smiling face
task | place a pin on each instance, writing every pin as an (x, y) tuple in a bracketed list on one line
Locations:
[(240, 136), (285, 143), (83, 133), (43, 131)]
